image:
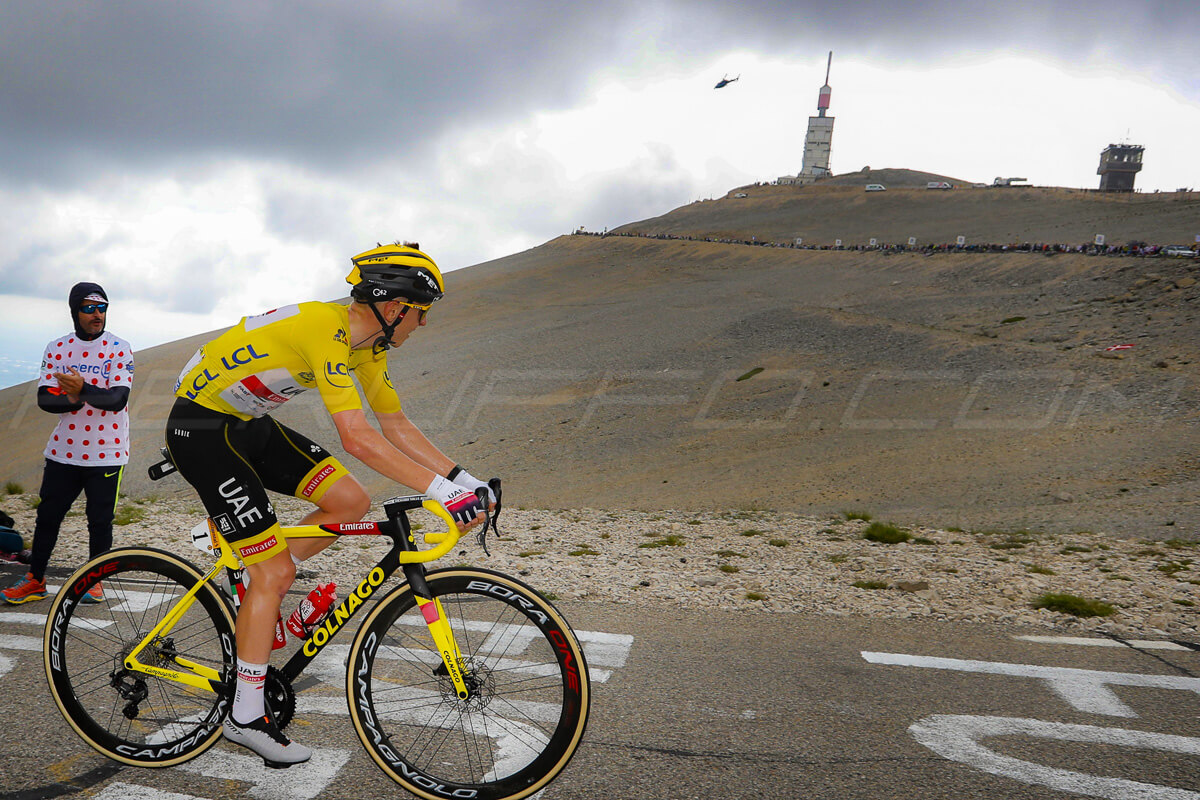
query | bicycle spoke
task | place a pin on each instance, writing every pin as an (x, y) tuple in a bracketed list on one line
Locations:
[(514, 728), (124, 713)]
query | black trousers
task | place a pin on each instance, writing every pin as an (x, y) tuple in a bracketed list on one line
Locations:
[(61, 484)]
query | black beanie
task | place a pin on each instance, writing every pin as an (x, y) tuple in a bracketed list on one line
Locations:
[(75, 299)]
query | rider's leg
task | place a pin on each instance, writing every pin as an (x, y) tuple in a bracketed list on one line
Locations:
[(344, 501), (271, 573), (269, 583)]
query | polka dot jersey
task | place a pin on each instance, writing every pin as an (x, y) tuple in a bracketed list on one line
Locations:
[(90, 437)]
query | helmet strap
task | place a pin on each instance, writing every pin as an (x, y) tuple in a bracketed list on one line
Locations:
[(387, 329)]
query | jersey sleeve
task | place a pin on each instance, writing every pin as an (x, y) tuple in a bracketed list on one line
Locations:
[(377, 385), (121, 373), (46, 375), (327, 351)]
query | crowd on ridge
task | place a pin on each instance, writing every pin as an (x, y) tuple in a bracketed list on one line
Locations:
[(1092, 249)]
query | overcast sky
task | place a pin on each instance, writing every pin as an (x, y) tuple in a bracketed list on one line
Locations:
[(207, 160)]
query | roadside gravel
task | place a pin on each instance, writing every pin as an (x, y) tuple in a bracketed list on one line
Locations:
[(762, 562)]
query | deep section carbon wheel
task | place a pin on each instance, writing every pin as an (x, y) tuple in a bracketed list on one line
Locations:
[(528, 689), (127, 715)]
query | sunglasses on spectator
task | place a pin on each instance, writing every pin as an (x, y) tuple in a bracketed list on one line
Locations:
[(92, 308)]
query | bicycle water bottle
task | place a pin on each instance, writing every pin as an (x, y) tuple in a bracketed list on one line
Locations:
[(312, 610)]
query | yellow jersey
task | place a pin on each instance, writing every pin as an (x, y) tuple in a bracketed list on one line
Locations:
[(266, 360)]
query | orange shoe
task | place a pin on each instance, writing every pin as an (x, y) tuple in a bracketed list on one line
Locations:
[(93, 595), (25, 590)]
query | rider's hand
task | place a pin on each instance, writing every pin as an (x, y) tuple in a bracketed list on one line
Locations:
[(471, 483), (463, 505)]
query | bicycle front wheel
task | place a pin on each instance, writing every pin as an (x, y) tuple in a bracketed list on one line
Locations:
[(528, 682), (132, 717)]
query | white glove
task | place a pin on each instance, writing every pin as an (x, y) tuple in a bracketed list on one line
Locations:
[(471, 483), (462, 504)]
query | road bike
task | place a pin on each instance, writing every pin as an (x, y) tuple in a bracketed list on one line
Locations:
[(461, 682)]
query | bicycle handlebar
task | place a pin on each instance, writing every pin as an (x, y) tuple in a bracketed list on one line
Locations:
[(445, 540)]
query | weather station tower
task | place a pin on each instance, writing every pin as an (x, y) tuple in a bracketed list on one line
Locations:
[(1119, 166), (819, 139)]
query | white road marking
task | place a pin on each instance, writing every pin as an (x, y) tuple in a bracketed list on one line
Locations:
[(604, 649), (957, 737), (131, 791), (330, 665), (15, 641), (1140, 644), (1085, 689), (510, 750), (39, 620), (336, 705), (303, 782), (600, 649)]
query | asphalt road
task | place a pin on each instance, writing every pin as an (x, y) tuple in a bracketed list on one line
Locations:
[(724, 705)]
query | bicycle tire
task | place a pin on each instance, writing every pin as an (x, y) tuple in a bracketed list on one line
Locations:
[(138, 719), (532, 693)]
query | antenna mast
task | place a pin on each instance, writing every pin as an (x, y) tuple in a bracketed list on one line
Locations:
[(823, 97)]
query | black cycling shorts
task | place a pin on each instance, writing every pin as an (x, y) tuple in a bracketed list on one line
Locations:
[(233, 462)]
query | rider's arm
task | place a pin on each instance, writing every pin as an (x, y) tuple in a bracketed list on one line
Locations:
[(371, 447), (408, 439), (381, 395)]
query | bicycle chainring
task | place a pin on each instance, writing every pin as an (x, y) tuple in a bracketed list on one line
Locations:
[(280, 697)]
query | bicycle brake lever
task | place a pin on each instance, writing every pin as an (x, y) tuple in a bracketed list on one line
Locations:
[(481, 537), (494, 485)]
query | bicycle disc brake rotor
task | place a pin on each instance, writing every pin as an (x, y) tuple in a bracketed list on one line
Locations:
[(480, 683), (280, 697)]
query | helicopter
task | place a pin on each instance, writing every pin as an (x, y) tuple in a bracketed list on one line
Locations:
[(725, 81)]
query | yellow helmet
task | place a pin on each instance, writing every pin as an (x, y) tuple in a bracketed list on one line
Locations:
[(395, 270)]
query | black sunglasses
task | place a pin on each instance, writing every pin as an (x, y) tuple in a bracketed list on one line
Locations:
[(92, 308)]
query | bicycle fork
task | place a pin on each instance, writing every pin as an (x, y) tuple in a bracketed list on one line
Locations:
[(439, 629)]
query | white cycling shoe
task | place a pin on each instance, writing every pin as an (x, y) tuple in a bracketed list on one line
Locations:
[(261, 736)]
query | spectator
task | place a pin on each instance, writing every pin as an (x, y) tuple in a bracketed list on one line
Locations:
[(85, 379)]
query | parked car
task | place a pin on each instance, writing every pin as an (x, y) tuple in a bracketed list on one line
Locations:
[(740, 194), (938, 185), (1180, 250), (876, 187)]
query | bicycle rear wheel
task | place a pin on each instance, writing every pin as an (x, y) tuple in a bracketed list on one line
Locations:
[(529, 684), (132, 717)]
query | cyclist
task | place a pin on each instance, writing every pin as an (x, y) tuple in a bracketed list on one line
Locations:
[(224, 442)]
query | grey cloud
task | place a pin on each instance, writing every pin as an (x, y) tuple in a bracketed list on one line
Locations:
[(186, 285), (93, 92), (305, 216), (143, 83)]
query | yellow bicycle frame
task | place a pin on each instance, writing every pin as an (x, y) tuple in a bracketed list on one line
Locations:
[(203, 677)]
